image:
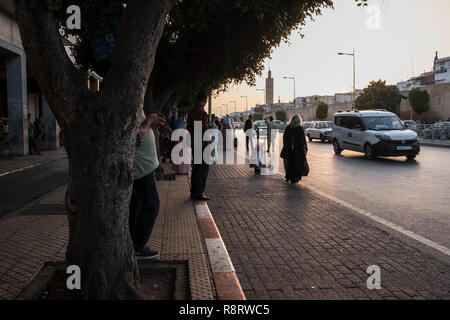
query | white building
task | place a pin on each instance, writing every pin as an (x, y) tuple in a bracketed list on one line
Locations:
[(439, 75), (442, 70)]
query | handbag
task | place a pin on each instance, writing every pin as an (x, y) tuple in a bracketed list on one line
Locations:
[(305, 171), (284, 154)]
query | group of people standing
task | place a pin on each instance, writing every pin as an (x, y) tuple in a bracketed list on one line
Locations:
[(145, 203)]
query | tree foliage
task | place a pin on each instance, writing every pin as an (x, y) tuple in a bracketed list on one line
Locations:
[(419, 100), (378, 95), (258, 116), (281, 115), (322, 111)]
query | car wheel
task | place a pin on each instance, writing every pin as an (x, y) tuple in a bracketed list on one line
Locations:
[(370, 155), (309, 138), (337, 148), (411, 156), (323, 139)]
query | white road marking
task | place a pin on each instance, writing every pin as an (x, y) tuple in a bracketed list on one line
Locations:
[(389, 224), (386, 223)]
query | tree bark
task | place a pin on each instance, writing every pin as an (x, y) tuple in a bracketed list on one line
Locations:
[(99, 131)]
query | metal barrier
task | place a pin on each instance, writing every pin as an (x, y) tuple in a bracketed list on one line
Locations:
[(436, 132)]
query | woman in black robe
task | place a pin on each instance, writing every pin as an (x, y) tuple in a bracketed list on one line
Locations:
[(294, 150)]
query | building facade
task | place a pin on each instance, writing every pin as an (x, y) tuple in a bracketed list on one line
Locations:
[(19, 93), (439, 75)]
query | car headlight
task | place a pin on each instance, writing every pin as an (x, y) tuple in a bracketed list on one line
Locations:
[(383, 137)]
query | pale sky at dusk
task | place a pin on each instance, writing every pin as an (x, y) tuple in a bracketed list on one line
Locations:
[(409, 28)]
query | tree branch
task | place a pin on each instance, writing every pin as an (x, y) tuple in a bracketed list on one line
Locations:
[(60, 81), (140, 31)]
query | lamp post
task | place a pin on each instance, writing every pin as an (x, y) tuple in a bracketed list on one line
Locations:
[(225, 105), (354, 73), (262, 90), (235, 111), (246, 102), (293, 78)]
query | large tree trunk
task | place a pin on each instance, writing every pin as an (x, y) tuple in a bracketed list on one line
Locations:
[(97, 202), (99, 131)]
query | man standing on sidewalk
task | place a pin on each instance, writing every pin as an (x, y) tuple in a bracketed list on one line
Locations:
[(144, 206), (248, 126), (31, 141), (199, 171)]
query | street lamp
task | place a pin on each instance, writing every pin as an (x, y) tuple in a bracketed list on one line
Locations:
[(293, 78), (246, 102), (263, 90), (235, 111), (354, 73), (225, 105)]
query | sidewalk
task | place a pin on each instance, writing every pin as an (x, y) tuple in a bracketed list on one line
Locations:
[(10, 165), (40, 234), (288, 242), (435, 143)]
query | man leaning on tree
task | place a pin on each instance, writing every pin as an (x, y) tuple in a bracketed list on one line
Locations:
[(144, 206)]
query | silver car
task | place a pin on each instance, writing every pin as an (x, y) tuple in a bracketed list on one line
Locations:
[(320, 130), (375, 133)]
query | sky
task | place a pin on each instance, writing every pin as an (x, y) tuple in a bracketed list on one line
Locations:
[(404, 38)]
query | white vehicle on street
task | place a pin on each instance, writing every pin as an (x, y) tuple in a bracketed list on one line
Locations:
[(375, 133), (320, 130)]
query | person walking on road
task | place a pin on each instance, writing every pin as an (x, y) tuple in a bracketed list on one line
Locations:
[(31, 135), (199, 171), (248, 126), (144, 205), (270, 133), (294, 150)]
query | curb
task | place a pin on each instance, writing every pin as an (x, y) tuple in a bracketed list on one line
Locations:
[(38, 164), (438, 145), (225, 279)]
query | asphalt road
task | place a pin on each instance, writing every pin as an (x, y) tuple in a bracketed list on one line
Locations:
[(19, 189), (414, 195)]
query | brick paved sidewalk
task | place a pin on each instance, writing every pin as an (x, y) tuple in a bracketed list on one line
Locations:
[(286, 242), (40, 234)]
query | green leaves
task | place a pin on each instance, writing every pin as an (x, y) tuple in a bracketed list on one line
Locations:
[(378, 95), (419, 100), (322, 111)]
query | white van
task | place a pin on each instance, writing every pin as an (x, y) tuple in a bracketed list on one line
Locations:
[(375, 133)]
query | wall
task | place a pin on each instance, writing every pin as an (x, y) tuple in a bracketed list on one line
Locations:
[(9, 30), (439, 105), (309, 114)]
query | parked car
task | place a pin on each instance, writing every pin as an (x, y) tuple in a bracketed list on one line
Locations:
[(238, 125), (412, 125), (438, 131), (320, 130), (307, 125), (375, 133), (280, 125)]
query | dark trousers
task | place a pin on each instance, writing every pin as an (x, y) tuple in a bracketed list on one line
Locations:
[(144, 209), (198, 179), (33, 146)]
